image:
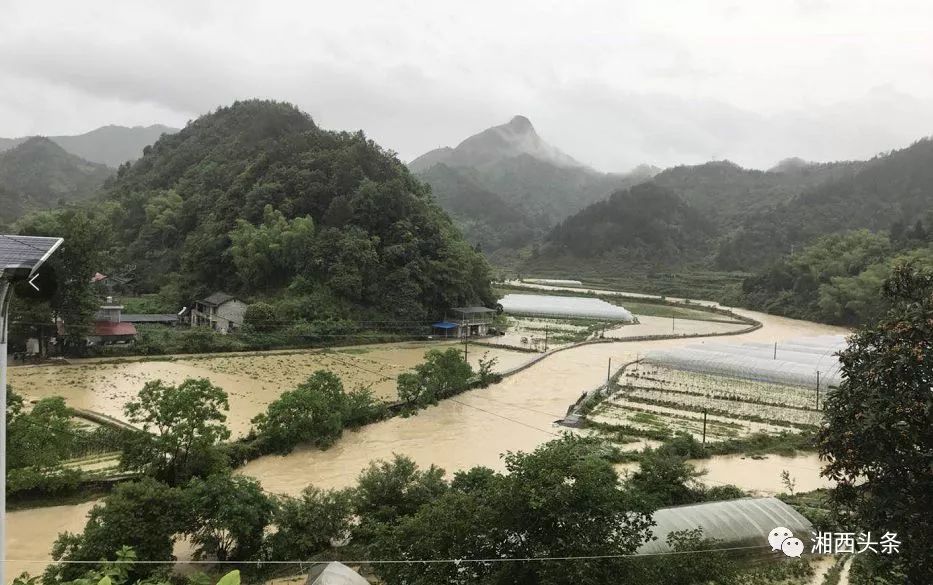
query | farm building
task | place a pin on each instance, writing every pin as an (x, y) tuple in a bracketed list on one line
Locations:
[(467, 322), (221, 312), (109, 326), (733, 523)]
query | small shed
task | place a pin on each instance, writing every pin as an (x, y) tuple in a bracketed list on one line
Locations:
[(334, 573), (733, 523), (473, 321)]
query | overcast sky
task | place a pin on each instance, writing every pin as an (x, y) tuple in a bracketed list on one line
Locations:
[(613, 83)]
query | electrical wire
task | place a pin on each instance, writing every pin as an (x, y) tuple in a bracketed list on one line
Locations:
[(405, 561)]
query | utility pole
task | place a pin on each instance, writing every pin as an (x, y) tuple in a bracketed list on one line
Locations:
[(672, 323), (466, 341), (704, 427), (608, 374), (817, 389), (545, 337), (775, 350)]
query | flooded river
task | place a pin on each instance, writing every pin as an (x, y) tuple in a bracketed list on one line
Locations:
[(475, 428)]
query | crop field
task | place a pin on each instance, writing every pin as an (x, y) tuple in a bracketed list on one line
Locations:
[(657, 400)]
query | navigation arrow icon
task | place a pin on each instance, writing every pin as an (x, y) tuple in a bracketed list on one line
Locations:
[(31, 283)]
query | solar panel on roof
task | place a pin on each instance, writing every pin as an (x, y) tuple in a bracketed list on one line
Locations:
[(25, 252)]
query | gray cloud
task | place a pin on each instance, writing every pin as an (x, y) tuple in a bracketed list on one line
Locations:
[(612, 83)]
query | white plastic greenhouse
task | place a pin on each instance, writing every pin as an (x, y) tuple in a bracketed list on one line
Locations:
[(560, 306), (334, 573), (553, 281), (796, 362), (741, 522)]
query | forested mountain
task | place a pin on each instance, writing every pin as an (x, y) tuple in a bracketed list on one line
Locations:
[(109, 145), (256, 199), (891, 188), (727, 193), (484, 217), (528, 175), (646, 222), (38, 174), (838, 277)]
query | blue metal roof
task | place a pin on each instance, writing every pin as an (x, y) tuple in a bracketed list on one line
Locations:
[(445, 325)]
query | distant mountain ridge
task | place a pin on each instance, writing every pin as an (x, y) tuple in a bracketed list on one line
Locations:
[(109, 145), (511, 167), (39, 174), (728, 193), (517, 137)]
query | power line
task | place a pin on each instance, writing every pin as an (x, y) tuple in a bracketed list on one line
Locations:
[(404, 561), (518, 422)]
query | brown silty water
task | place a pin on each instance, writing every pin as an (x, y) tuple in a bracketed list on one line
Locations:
[(477, 427), (251, 380), (474, 428)]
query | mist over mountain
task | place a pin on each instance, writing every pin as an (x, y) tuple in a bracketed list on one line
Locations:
[(890, 188), (38, 174), (109, 145), (528, 178), (727, 193)]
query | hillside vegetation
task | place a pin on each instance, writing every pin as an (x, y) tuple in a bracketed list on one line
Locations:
[(892, 188), (39, 174), (256, 199)]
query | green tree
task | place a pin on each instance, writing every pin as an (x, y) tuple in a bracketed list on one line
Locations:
[(145, 515), (565, 500), (270, 254), (308, 524), (260, 317), (183, 423), (41, 437), (227, 516), (664, 479), (388, 490), (442, 374), (314, 412), (74, 263), (878, 435)]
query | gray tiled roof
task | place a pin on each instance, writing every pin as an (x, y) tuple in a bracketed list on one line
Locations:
[(25, 252), (218, 298), (150, 318)]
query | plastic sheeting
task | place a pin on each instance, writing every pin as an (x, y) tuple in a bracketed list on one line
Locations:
[(797, 361), (553, 281), (335, 574), (742, 522), (560, 306)]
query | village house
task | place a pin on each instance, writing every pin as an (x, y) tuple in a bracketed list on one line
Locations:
[(109, 328), (221, 312), (467, 322)]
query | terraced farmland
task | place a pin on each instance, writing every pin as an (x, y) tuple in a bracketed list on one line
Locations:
[(656, 400)]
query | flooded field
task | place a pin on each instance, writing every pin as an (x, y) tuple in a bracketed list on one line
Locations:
[(251, 380), (474, 428), (478, 426)]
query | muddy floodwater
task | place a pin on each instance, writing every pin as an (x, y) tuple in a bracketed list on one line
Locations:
[(477, 427), (251, 380), (474, 428)]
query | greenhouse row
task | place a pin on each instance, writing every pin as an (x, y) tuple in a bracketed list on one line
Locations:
[(791, 362), (563, 307)]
